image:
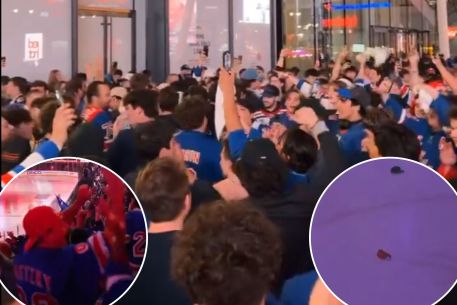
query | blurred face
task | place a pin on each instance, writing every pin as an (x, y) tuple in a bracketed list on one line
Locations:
[(344, 109), (385, 86), (351, 74), (25, 130), (292, 101), (275, 81), (115, 102), (6, 130), (134, 115), (40, 91), (333, 95), (270, 103), (453, 130), (59, 76), (103, 99), (11, 90), (373, 76), (35, 114), (433, 120), (31, 97)]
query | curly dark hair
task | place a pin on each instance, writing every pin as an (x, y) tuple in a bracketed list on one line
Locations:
[(227, 254)]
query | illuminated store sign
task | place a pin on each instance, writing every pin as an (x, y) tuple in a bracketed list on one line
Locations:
[(33, 46), (452, 31), (363, 6), (349, 22)]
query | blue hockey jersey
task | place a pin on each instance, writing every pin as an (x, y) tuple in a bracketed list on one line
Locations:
[(72, 275)]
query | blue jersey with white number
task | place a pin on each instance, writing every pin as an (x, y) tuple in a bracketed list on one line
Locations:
[(202, 153), (72, 275), (136, 232)]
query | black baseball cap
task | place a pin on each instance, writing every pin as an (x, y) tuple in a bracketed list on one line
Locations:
[(185, 67), (261, 151), (270, 91)]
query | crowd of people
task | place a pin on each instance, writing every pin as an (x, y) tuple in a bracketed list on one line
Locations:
[(229, 164), (86, 253)]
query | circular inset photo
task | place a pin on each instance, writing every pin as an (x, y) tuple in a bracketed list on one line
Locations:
[(384, 232), (71, 232)]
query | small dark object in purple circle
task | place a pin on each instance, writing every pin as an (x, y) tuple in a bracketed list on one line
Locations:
[(396, 170), (384, 255)]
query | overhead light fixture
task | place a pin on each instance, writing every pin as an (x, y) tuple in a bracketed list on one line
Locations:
[(93, 16), (298, 14), (83, 17), (291, 14), (15, 11), (31, 11)]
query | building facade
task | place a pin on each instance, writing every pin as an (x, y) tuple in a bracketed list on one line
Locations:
[(161, 35)]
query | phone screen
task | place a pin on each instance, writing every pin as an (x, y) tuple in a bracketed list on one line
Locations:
[(227, 60), (59, 97)]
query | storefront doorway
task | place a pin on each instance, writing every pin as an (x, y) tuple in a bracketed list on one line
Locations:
[(105, 36)]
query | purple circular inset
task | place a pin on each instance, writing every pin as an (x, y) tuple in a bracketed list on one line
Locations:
[(381, 236)]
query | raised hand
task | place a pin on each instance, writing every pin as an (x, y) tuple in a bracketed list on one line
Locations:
[(64, 118)]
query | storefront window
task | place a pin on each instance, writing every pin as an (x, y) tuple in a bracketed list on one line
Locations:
[(252, 32), (38, 37), (299, 30), (194, 25)]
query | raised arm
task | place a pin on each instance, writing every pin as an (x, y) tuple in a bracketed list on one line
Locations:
[(338, 63), (227, 85), (447, 76)]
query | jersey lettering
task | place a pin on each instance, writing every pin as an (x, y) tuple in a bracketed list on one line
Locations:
[(191, 156)]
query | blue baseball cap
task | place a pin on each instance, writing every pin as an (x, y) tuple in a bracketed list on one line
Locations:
[(249, 74), (345, 93)]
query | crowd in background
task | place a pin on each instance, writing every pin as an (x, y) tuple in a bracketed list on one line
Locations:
[(229, 164)]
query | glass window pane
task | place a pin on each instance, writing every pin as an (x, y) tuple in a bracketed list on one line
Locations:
[(299, 28), (252, 32), (192, 26)]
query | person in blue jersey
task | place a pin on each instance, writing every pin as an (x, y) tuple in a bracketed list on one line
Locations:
[(240, 263), (431, 144), (96, 112), (164, 192), (201, 150), (78, 266), (349, 109), (136, 233)]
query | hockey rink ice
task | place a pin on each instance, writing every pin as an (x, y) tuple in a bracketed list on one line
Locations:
[(31, 189)]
